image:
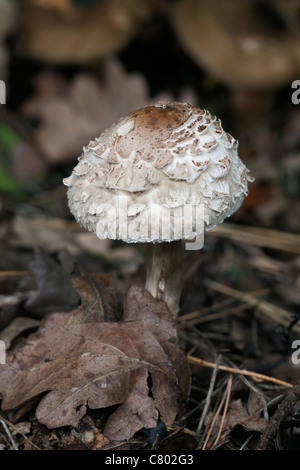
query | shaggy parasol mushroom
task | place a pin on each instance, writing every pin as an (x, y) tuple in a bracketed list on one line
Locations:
[(69, 32), (134, 182), (260, 51)]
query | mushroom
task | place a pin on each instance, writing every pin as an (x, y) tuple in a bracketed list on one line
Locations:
[(253, 56), (162, 174), (260, 51), (62, 32)]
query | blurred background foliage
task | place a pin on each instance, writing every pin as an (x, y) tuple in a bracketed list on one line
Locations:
[(73, 67)]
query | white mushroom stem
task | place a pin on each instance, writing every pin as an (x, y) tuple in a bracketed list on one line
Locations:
[(164, 273)]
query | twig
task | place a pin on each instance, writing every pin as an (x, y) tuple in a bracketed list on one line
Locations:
[(228, 392), (213, 316), (258, 236), (255, 390), (14, 445), (8, 423), (246, 441), (254, 375), (215, 417), (209, 394), (207, 313), (276, 313), (153, 447), (14, 273)]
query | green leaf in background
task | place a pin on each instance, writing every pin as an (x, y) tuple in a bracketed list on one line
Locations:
[(8, 140), (6, 182)]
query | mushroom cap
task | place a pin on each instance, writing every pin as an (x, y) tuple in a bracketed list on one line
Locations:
[(65, 33), (146, 177), (246, 53)]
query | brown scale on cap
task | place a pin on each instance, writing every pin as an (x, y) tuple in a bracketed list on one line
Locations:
[(149, 127), (159, 118)]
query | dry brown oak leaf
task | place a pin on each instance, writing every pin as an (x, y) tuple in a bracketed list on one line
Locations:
[(136, 363), (72, 113)]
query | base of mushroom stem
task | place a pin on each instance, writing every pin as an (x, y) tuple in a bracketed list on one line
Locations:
[(164, 273)]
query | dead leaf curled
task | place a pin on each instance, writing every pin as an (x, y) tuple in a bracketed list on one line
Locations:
[(133, 363)]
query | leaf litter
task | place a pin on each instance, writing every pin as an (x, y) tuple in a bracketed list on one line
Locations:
[(135, 363)]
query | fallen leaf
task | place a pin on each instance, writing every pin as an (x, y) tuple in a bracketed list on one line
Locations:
[(55, 291), (53, 235), (135, 363), (23, 427), (17, 326), (240, 414), (100, 441), (254, 420), (100, 301), (9, 307), (72, 114)]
